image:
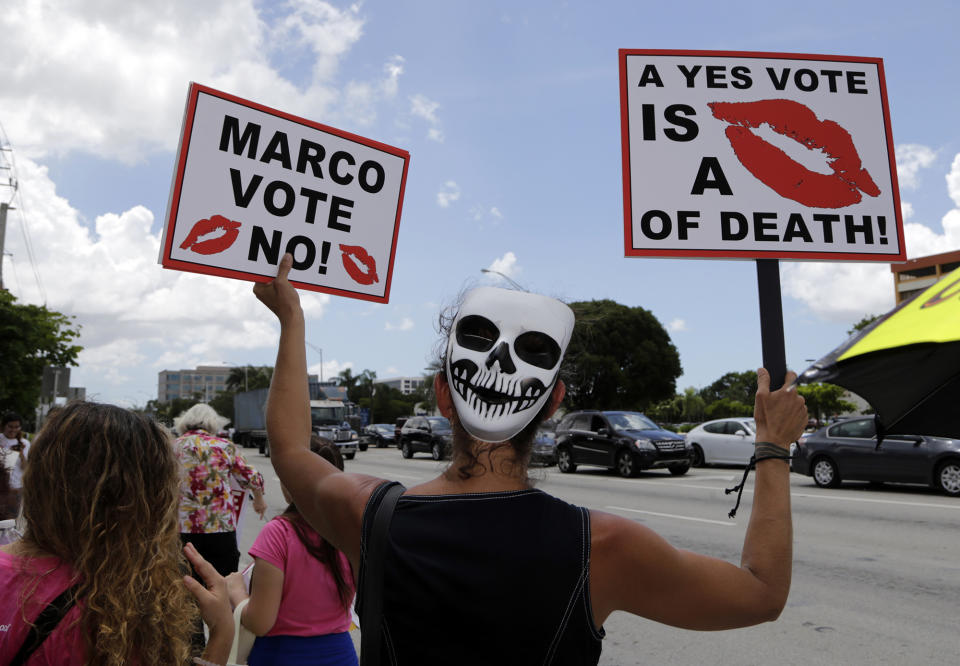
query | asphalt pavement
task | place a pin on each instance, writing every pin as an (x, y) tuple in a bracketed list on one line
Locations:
[(876, 577)]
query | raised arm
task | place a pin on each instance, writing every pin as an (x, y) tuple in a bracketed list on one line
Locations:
[(331, 501), (635, 570)]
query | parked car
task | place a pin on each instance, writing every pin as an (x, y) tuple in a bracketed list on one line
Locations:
[(723, 441), (428, 434), (625, 441), (545, 444), (378, 435), (848, 451), (396, 429)]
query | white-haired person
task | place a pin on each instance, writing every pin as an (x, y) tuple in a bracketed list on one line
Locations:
[(208, 464), (478, 566)]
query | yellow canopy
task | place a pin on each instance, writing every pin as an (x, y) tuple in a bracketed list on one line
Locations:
[(933, 316)]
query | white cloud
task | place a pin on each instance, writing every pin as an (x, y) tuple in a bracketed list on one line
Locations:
[(110, 78), (906, 210), (844, 292), (393, 370), (507, 264), (405, 325), (394, 68), (128, 306), (330, 369), (449, 194), (676, 325), (911, 157), (425, 108), (953, 181), (496, 213)]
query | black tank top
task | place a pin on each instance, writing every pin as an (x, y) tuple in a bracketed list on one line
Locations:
[(487, 579)]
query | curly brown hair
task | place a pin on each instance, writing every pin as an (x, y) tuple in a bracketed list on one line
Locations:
[(101, 493)]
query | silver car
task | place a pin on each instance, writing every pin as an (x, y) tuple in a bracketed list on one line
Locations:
[(723, 441)]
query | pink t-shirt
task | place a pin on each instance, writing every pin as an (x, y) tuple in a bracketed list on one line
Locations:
[(64, 646), (309, 605)]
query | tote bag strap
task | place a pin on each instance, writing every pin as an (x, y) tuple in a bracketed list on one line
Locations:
[(45, 623), (370, 621)]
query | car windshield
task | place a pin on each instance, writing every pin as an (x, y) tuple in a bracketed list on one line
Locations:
[(438, 423), (326, 415), (630, 421)]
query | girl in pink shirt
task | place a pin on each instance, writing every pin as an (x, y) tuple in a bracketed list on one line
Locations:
[(300, 591)]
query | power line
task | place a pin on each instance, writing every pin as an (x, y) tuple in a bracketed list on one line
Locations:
[(9, 164)]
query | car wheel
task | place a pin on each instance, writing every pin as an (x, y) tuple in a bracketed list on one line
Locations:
[(948, 477), (436, 451), (350, 456), (696, 459), (679, 469), (626, 465), (825, 473), (406, 451), (362, 447), (565, 461)]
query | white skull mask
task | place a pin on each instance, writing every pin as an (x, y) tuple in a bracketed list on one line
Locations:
[(503, 357)]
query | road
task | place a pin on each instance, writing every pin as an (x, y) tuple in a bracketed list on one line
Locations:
[(876, 576)]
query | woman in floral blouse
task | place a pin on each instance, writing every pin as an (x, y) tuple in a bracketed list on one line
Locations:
[(206, 504)]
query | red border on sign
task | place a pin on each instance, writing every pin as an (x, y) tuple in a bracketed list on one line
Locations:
[(630, 251), (168, 262)]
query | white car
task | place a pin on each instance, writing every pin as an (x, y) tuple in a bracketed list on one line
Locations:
[(723, 441)]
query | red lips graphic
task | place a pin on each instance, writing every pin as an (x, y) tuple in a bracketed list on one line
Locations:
[(364, 272), (230, 228), (778, 171)]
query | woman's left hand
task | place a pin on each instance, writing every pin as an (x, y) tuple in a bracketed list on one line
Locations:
[(211, 595)]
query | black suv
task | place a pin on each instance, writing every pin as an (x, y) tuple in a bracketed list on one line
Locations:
[(625, 441), (430, 434)]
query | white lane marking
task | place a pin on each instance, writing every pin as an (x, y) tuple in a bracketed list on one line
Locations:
[(665, 483), (714, 478), (672, 515), (875, 501)]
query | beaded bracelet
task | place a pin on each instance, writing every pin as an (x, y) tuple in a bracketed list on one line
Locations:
[(762, 451)]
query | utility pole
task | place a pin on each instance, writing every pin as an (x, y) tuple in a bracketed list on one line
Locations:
[(3, 233)]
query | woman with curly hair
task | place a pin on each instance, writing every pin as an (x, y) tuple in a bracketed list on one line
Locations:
[(100, 507), (301, 590)]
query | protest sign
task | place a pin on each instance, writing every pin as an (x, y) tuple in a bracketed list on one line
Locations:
[(252, 183), (757, 155)]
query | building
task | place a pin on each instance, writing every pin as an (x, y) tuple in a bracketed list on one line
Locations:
[(205, 380), (915, 275), (406, 385)]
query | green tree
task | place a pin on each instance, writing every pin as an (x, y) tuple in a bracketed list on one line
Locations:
[(249, 377), (824, 400), (222, 403), (734, 386), (619, 357), (347, 379), (726, 407), (693, 405), (31, 338), (165, 412), (863, 323)]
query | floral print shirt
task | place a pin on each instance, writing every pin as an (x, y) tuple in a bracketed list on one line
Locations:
[(207, 464)]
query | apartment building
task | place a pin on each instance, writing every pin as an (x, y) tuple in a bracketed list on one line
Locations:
[(915, 275), (206, 380)]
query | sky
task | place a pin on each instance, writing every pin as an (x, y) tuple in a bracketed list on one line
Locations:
[(511, 114)]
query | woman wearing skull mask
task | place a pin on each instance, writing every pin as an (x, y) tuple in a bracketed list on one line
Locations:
[(478, 540)]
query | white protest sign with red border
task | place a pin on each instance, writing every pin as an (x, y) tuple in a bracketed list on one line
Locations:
[(757, 155), (253, 183)]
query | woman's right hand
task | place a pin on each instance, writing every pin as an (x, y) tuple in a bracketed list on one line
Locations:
[(214, 603), (236, 588), (279, 295)]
